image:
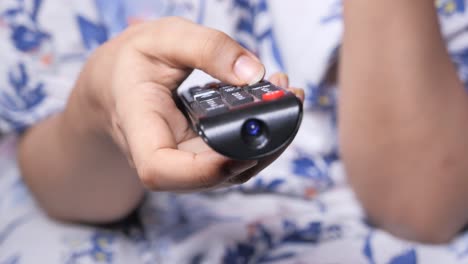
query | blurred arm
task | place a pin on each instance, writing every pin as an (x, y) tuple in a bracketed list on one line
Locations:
[(403, 119)]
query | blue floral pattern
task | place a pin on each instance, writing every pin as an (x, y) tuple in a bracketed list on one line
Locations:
[(299, 210)]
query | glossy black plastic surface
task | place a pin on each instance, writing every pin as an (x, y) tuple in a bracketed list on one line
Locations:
[(246, 129)]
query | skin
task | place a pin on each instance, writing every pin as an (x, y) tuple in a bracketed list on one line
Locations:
[(400, 89), (121, 132)]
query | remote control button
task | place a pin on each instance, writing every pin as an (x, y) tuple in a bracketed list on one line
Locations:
[(213, 106), (262, 88), (195, 90), (273, 95), (238, 97), (206, 95), (221, 85), (229, 89)]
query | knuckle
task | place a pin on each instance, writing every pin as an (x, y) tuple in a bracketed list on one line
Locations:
[(205, 178), (127, 45), (171, 20), (219, 38), (133, 32), (209, 177), (168, 29), (138, 34), (213, 46), (206, 181), (147, 177), (167, 25)]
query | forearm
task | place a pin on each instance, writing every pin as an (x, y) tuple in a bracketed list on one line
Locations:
[(403, 117), (74, 171)]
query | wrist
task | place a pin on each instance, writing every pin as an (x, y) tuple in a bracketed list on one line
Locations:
[(83, 116)]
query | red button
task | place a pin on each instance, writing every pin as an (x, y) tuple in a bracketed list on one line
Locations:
[(273, 95)]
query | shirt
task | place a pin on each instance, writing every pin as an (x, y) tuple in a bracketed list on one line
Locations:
[(299, 210)]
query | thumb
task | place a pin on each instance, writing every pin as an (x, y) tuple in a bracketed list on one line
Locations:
[(182, 43)]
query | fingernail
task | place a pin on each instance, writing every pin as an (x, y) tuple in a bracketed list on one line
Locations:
[(248, 70)]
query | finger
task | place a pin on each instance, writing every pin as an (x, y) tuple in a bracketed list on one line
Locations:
[(262, 164), (182, 43), (298, 92), (280, 79), (175, 170), (169, 169), (195, 145), (159, 164)]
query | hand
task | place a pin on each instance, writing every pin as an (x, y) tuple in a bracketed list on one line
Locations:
[(127, 84)]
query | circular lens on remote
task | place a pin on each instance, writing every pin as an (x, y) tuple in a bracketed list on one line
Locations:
[(253, 128), (254, 133)]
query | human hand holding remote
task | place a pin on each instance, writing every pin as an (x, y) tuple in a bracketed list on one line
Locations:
[(122, 110)]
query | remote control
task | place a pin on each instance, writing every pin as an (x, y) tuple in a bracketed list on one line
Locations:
[(243, 123)]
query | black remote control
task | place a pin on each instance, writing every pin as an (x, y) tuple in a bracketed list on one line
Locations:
[(243, 123)]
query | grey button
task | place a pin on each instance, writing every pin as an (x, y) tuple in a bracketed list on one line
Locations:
[(213, 106), (238, 97)]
